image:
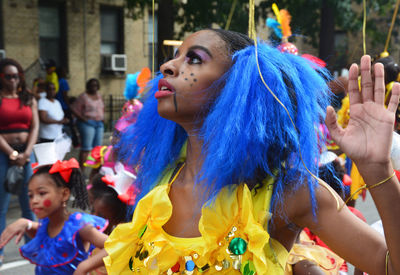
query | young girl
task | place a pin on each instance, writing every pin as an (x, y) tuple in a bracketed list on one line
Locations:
[(61, 240), (106, 204), (108, 200), (235, 197)]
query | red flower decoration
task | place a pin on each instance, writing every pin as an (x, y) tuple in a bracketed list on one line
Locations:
[(64, 168)]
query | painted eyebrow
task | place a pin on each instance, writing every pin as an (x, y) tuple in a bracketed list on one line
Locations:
[(204, 49), (195, 47)]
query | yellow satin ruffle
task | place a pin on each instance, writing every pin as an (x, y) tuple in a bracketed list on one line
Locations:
[(306, 249), (237, 213)]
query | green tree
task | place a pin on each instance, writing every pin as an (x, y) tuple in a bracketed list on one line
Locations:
[(316, 21)]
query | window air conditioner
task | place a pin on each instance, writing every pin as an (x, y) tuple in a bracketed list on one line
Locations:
[(2, 54), (114, 62)]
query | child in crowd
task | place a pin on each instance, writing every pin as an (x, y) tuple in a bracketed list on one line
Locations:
[(106, 203), (108, 196), (61, 240)]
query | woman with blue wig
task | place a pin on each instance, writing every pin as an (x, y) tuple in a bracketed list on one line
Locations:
[(227, 165)]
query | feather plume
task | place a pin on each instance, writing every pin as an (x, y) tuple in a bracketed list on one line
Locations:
[(273, 24), (285, 23), (275, 9)]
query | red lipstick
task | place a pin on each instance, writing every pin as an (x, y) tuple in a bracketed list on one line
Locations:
[(164, 89)]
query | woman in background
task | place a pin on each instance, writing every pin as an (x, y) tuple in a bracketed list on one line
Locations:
[(19, 127), (89, 109), (51, 115)]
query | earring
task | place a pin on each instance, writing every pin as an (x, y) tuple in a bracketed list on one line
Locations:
[(64, 204)]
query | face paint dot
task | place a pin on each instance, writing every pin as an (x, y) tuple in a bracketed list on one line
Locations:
[(194, 79), (47, 203), (181, 72), (191, 74), (191, 85), (186, 79)]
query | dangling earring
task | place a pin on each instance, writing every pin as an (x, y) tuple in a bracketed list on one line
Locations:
[(64, 204)]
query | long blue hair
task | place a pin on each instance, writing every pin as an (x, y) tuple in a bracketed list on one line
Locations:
[(246, 133)]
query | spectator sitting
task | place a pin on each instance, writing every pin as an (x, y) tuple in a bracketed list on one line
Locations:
[(51, 116)]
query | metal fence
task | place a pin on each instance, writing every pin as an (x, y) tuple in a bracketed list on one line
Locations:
[(113, 107)]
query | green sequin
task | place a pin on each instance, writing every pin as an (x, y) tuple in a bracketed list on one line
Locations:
[(141, 232), (248, 268), (237, 246), (131, 264), (204, 268)]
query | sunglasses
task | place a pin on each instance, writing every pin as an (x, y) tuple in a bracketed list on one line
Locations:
[(9, 76)]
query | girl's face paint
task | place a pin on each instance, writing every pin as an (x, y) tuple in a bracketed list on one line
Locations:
[(175, 103), (45, 198), (198, 63), (47, 203)]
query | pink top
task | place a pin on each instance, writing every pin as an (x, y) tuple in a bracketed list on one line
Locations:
[(90, 108)]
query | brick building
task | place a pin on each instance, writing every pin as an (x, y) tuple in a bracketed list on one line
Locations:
[(78, 35)]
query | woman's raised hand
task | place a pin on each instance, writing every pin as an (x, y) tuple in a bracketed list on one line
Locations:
[(368, 137)]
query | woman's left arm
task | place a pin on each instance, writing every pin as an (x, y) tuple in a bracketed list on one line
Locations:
[(367, 141), (343, 232), (33, 135), (34, 131)]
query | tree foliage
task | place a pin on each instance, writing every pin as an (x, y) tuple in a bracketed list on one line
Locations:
[(192, 15)]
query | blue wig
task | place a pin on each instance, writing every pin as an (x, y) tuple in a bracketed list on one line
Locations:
[(247, 133)]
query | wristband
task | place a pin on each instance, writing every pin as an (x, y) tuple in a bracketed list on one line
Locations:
[(13, 155), (29, 226)]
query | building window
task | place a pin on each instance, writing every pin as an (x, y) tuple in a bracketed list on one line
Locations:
[(52, 33), (111, 24)]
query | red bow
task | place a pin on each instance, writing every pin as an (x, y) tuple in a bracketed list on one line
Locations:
[(107, 179), (64, 168)]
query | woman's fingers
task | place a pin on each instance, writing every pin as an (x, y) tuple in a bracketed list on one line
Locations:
[(5, 238), (394, 99), (19, 237), (367, 87), (333, 126), (354, 92), (379, 86)]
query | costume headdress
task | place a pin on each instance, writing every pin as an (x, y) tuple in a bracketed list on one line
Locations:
[(136, 82), (100, 156), (281, 27), (48, 153), (122, 182), (53, 153), (134, 87)]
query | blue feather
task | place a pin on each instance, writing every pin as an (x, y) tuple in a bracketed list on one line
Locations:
[(131, 86), (272, 23)]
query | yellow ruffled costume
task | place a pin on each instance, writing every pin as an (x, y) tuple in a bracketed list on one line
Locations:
[(306, 249), (234, 239)]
